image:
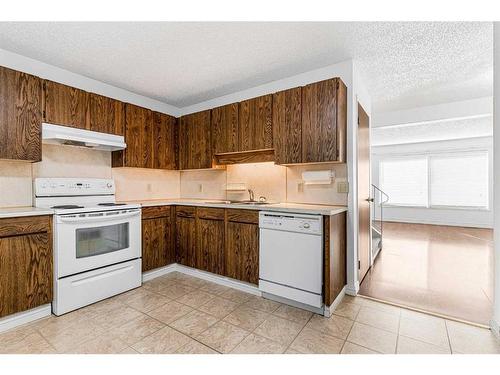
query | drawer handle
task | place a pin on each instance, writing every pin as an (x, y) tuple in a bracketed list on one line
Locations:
[(102, 275)]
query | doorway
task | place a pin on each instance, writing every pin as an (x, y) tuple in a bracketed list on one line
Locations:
[(364, 207), (434, 251)]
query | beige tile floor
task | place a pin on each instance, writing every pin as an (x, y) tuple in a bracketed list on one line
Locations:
[(182, 314)]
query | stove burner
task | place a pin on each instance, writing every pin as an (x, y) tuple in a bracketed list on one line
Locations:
[(111, 204), (67, 206)]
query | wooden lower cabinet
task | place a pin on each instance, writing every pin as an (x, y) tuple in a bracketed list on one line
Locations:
[(157, 238), (185, 236), (242, 245), (26, 271), (335, 256), (226, 242), (210, 252)]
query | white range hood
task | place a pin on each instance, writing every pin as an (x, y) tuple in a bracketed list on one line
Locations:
[(63, 135)]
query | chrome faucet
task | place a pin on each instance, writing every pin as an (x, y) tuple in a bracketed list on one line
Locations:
[(250, 192)]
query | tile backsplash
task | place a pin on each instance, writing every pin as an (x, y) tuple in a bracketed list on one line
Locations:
[(277, 183), (70, 161), (315, 194), (203, 184), (265, 179), (139, 183), (15, 184)]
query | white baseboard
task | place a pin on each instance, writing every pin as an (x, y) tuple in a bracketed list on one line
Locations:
[(150, 275), (352, 290), (330, 309), (217, 279), (24, 317), (466, 224), (495, 328)]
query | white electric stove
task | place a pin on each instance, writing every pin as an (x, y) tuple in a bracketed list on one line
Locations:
[(97, 242)]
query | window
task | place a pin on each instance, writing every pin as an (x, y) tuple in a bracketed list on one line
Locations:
[(460, 180), (437, 180), (405, 181)]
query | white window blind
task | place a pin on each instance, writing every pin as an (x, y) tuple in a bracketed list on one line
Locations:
[(459, 180), (405, 181)]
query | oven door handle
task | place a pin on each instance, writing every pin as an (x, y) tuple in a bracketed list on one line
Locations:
[(92, 219)]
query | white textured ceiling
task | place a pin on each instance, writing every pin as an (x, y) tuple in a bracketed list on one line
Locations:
[(403, 65)]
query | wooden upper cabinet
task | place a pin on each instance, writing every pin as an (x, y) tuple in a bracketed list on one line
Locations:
[(287, 126), (322, 127), (195, 151), (106, 115), (139, 139), (65, 105), (20, 116), (165, 154), (224, 128), (256, 123)]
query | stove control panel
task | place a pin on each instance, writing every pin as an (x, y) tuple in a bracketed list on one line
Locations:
[(56, 187)]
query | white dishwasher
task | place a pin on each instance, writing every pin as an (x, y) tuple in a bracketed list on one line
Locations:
[(291, 258)]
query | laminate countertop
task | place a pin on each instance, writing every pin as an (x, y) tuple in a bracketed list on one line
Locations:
[(24, 211), (299, 208)]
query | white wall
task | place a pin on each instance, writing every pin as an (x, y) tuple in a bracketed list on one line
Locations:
[(441, 216), (495, 321), (53, 73), (466, 108)]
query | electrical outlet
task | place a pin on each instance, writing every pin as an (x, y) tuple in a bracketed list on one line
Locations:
[(342, 187)]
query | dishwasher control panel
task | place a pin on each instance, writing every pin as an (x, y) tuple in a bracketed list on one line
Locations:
[(310, 224)]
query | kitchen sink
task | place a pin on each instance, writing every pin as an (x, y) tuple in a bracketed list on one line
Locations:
[(250, 203)]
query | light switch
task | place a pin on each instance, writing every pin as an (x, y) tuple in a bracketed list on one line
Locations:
[(342, 187)]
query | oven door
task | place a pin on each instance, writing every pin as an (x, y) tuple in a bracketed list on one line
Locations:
[(92, 240)]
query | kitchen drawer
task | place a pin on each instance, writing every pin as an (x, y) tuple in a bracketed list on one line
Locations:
[(157, 211), (185, 211), (243, 216), (211, 213), (24, 225), (83, 289)]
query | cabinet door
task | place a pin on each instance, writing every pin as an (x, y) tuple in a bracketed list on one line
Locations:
[(210, 235), (242, 251), (256, 123), (65, 105), (138, 136), (224, 127), (25, 272), (287, 114), (157, 249), (195, 150), (20, 116), (319, 121), (185, 243), (165, 141), (106, 115)]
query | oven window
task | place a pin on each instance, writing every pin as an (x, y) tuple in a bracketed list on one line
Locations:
[(101, 240)]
